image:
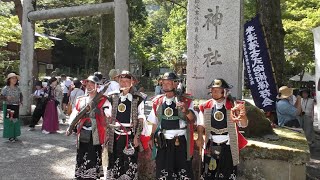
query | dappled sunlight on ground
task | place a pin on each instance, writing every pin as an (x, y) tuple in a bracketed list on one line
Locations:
[(38, 156), (63, 171)]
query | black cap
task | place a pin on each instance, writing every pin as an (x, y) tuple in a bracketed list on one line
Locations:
[(38, 83), (306, 90), (219, 83), (94, 79), (98, 74), (77, 83), (170, 76)]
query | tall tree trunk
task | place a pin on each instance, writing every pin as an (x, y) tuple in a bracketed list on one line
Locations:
[(18, 9), (106, 45), (270, 13)]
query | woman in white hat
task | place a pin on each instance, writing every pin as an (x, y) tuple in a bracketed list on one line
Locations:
[(13, 98)]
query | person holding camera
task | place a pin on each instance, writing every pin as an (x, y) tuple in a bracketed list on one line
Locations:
[(38, 112), (307, 114), (286, 112)]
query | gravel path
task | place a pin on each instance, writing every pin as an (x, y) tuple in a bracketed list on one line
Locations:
[(38, 156)]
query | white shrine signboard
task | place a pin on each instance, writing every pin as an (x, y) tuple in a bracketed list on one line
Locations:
[(214, 35)]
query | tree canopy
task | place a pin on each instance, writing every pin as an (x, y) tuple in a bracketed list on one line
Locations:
[(174, 40), (12, 30), (299, 18), (157, 32)]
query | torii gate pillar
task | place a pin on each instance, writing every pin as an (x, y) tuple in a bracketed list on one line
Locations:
[(121, 17), (26, 57)]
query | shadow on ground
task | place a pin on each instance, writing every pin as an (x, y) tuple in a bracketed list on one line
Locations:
[(38, 156)]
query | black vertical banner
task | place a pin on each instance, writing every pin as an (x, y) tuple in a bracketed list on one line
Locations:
[(258, 69)]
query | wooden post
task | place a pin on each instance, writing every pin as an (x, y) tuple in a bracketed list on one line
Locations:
[(26, 57), (121, 35), (75, 11)]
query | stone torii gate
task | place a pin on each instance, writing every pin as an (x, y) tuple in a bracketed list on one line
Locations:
[(29, 16)]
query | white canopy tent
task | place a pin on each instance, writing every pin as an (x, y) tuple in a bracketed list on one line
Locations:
[(306, 77)]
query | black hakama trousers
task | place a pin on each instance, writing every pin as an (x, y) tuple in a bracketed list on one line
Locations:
[(171, 161)]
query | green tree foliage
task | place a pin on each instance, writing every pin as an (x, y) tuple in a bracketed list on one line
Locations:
[(299, 18), (11, 31), (11, 28), (146, 39), (78, 50), (249, 9), (174, 40), (162, 39)]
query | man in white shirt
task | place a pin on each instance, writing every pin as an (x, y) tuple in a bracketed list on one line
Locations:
[(171, 117), (114, 85), (218, 118), (90, 131), (65, 85), (76, 92), (126, 115), (307, 115)]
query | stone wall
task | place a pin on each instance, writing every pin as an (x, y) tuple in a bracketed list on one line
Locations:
[(282, 159)]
